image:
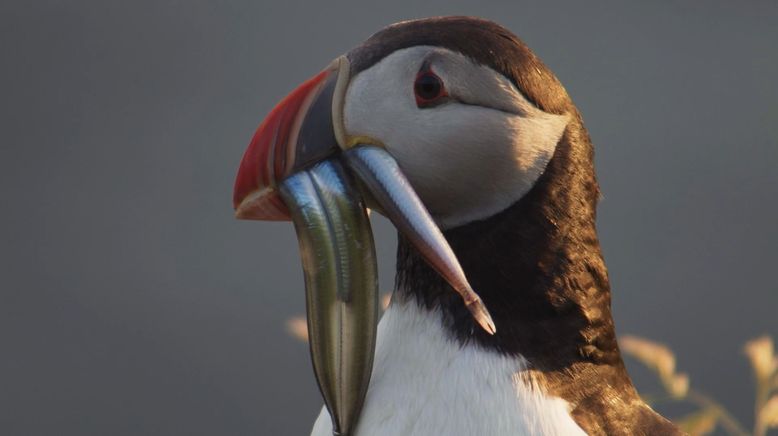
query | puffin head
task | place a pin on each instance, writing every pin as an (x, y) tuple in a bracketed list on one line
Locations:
[(437, 123), (469, 139), (469, 113)]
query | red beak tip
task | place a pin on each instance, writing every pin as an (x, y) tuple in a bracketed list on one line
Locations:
[(261, 205)]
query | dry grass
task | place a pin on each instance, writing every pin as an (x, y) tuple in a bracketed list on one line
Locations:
[(709, 413)]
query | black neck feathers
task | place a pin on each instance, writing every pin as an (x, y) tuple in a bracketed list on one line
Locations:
[(539, 269), (537, 265)]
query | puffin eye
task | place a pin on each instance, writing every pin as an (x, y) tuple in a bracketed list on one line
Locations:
[(429, 89)]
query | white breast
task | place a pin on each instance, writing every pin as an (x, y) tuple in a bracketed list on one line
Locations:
[(426, 384)]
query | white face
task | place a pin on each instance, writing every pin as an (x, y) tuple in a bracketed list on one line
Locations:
[(469, 157)]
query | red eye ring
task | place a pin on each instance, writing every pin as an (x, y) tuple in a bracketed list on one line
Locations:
[(428, 89)]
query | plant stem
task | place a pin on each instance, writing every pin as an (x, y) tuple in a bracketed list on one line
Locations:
[(730, 424), (762, 392)]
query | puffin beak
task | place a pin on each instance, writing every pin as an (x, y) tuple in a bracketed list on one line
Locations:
[(302, 165)]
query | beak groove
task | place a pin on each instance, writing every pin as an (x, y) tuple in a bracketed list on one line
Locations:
[(297, 132)]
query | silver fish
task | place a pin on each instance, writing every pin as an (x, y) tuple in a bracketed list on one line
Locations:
[(341, 288), (383, 178)]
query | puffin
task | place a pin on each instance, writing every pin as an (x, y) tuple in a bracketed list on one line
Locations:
[(500, 320)]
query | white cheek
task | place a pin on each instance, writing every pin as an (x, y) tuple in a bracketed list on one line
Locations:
[(466, 162), (477, 168)]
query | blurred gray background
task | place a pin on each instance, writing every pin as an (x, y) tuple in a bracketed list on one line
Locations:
[(131, 301)]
